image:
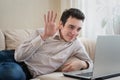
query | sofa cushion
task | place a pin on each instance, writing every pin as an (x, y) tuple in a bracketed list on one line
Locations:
[(14, 38), (2, 41), (55, 76)]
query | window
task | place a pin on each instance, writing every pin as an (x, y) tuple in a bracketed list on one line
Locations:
[(102, 16)]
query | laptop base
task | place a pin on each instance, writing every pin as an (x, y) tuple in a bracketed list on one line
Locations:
[(83, 78), (100, 78)]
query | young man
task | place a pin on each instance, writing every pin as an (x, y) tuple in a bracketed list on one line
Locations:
[(44, 52)]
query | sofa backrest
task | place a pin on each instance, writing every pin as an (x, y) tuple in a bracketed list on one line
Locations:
[(13, 38)]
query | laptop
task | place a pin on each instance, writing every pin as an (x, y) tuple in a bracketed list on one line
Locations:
[(106, 61)]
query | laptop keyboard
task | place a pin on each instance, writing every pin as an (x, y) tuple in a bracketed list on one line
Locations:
[(86, 74)]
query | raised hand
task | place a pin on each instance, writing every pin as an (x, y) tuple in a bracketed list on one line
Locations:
[(50, 25)]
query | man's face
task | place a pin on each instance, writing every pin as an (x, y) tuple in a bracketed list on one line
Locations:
[(71, 29)]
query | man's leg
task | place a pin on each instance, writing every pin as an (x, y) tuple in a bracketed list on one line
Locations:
[(7, 55), (9, 68), (11, 71)]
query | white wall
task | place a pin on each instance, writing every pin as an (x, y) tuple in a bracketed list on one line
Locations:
[(25, 13)]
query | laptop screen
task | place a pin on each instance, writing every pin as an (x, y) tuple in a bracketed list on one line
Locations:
[(107, 56)]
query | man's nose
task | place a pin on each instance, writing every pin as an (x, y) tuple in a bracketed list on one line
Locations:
[(74, 32)]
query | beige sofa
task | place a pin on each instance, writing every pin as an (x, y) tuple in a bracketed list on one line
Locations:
[(10, 39)]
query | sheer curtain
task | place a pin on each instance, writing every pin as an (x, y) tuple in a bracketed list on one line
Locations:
[(102, 16)]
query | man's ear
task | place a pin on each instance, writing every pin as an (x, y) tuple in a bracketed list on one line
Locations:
[(60, 25)]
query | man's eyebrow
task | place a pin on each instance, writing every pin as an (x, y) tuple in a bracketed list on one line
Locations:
[(74, 26), (71, 25)]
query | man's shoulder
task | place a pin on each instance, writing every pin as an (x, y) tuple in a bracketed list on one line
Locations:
[(78, 42)]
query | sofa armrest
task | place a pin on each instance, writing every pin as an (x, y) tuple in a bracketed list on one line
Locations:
[(2, 41), (89, 46)]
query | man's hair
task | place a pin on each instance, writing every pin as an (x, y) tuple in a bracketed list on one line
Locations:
[(72, 12)]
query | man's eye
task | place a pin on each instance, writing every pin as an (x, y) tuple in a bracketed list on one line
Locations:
[(78, 29), (72, 27)]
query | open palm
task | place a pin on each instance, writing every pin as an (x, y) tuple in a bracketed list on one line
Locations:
[(50, 25)]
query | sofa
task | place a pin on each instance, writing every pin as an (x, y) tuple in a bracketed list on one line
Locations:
[(11, 38)]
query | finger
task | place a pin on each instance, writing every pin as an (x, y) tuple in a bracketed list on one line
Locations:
[(54, 17), (68, 63), (48, 16), (66, 69), (45, 19), (51, 16)]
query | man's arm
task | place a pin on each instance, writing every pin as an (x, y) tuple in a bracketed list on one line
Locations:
[(29, 47), (78, 61)]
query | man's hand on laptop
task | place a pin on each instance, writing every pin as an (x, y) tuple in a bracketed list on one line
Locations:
[(74, 65)]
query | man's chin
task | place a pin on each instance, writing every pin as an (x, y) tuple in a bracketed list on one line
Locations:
[(70, 40)]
